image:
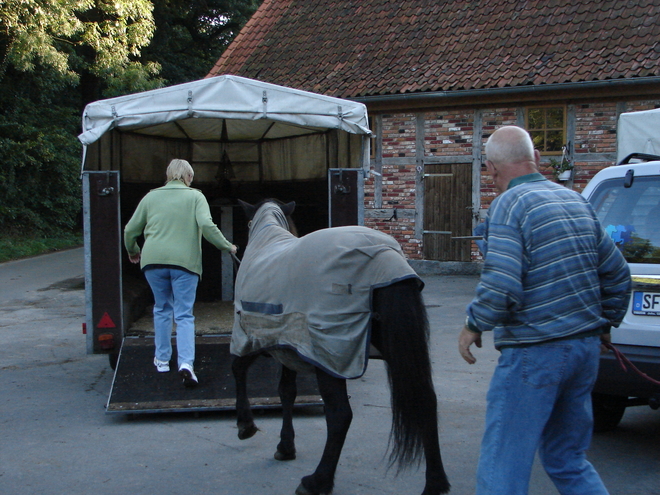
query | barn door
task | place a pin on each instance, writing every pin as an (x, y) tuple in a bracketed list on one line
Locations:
[(345, 197), (447, 211)]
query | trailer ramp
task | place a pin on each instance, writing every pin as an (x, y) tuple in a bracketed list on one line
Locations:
[(138, 388)]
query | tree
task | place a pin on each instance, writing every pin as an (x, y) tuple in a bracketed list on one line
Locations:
[(39, 173), (74, 36), (192, 34), (58, 55), (54, 53)]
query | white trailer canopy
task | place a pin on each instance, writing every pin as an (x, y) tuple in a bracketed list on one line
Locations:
[(193, 111), (233, 111), (638, 132)]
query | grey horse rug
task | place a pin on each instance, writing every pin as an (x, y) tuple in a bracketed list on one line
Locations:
[(312, 294)]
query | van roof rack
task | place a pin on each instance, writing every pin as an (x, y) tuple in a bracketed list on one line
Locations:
[(639, 156)]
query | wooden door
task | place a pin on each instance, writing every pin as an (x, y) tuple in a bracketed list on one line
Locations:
[(447, 211)]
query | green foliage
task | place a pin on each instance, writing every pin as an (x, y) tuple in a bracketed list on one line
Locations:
[(39, 177), (192, 34), (51, 33), (557, 167), (29, 29), (21, 246), (132, 79), (58, 55), (55, 56)]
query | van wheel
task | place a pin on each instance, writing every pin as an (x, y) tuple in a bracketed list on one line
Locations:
[(608, 411)]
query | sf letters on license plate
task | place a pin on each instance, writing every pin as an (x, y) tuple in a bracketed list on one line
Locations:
[(646, 303)]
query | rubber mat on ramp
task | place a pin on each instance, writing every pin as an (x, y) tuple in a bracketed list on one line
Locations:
[(138, 388)]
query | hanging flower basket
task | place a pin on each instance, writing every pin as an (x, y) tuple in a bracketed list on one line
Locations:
[(562, 170), (565, 175)]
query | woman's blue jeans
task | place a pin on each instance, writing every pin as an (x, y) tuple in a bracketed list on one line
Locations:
[(540, 399), (174, 296)]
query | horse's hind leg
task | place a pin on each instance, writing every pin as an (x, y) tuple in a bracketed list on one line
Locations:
[(244, 420), (436, 479), (338, 417), (286, 450)]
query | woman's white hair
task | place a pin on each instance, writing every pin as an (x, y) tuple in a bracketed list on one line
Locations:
[(180, 170)]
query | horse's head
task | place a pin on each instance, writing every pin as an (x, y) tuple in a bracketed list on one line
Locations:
[(285, 208), (251, 210)]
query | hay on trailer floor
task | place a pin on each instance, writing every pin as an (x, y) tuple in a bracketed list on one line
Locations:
[(211, 318)]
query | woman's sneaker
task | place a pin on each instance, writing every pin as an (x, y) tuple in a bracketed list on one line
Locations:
[(162, 366), (188, 375)]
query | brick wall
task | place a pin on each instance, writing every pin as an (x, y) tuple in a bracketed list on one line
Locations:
[(451, 134), (399, 136), (398, 182), (595, 133), (638, 106), (448, 134)]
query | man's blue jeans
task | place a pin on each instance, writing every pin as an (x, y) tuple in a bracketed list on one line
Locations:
[(174, 295), (540, 399)]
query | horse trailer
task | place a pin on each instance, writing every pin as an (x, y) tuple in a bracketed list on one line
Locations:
[(246, 140)]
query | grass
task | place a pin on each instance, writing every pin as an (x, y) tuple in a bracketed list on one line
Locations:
[(16, 246)]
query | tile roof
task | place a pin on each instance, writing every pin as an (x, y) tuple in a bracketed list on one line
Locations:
[(353, 48)]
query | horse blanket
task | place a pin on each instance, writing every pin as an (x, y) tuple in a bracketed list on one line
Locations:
[(312, 294)]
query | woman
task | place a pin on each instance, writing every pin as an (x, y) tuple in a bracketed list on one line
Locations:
[(173, 219)]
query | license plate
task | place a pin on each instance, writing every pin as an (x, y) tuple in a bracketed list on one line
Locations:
[(646, 303)]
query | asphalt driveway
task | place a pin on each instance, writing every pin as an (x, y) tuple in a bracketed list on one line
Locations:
[(56, 437)]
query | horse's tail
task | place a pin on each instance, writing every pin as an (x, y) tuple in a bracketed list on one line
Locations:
[(401, 330)]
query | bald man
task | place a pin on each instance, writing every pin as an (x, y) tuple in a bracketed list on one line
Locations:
[(552, 285)]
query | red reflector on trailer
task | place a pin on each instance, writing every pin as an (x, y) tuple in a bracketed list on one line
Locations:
[(107, 341), (106, 322), (84, 328)]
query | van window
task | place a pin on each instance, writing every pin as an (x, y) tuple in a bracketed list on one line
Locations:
[(631, 216)]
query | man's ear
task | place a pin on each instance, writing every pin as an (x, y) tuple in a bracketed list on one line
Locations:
[(537, 159)]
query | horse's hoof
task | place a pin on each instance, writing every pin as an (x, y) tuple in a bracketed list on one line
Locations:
[(284, 456), (246, 432), (441, 489), (301, 490), (441, 492)]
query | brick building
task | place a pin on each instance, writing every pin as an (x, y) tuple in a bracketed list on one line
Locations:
[(439, 77)]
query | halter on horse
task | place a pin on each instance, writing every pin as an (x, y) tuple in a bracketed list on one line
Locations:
[(320, 301)]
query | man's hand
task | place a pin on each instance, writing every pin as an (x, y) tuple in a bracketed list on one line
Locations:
[(605, 338), (233, 249), (465, 339), (134, 258)]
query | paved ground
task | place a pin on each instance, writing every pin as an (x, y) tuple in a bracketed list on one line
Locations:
[(56, 438)]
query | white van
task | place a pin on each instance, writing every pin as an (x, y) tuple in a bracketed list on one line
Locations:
[(626, 198)]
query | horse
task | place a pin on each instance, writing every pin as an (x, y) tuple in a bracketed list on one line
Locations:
[(278, 313)]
